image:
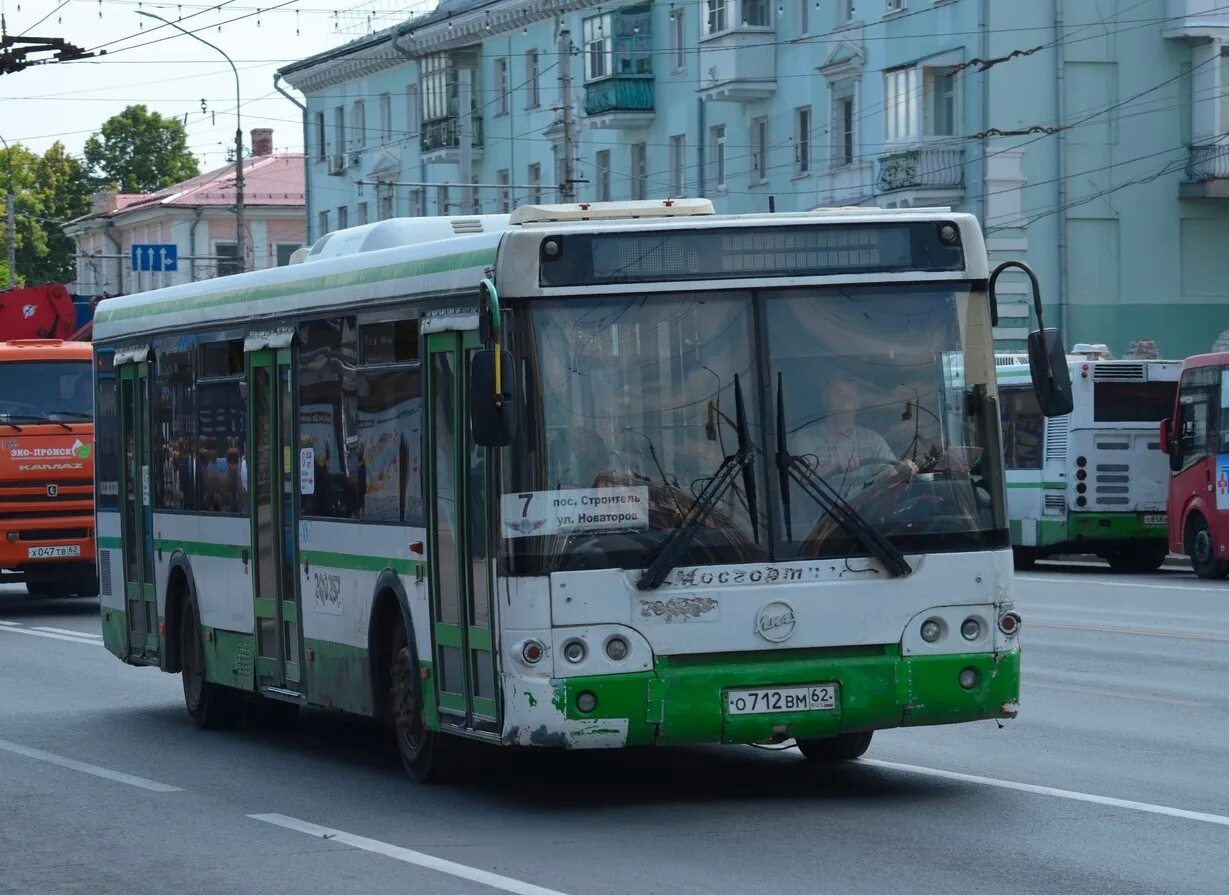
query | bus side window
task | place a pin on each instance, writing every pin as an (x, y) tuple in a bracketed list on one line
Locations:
[(1224, 412), (1023, 428), (1197, 413)]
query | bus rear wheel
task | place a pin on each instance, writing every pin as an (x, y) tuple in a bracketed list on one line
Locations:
[(211, 706), (1025, 558), (1202, 550), (1142, 558), (422, 752), (842, 747)]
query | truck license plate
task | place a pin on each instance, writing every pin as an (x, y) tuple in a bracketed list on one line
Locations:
[(768, 700), (54, 551)]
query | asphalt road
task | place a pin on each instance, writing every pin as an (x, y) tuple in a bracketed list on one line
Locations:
[(1112, 780)]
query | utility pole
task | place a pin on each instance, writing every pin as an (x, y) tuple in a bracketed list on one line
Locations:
[(11, 218), (240, 231), (567, 189), (465, 88)]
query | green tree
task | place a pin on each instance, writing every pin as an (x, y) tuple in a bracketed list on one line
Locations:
[(48, 191), (139, 151)]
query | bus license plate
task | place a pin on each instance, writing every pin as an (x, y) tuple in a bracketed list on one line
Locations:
[(1154, 519), (815, 698), (54, 551)]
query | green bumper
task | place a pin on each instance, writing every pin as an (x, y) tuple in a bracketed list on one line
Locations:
[(683, 699), (1115, 527)]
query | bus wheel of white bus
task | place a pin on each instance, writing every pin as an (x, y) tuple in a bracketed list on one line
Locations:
[(422, 751), (842, 747), (1143, 558), (1202, 549), (210, 705), (1025, 558)]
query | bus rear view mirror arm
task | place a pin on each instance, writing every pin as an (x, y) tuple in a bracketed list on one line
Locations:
[(1047, 358)]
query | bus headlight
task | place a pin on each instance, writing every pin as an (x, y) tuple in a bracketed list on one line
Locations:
[(969, 678), (971, 629), (616, 649), (574, 651), (931, 630)]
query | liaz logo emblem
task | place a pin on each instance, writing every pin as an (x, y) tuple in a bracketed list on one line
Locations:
[(28, 311), (775, 621), (81, 450), (53, 490)]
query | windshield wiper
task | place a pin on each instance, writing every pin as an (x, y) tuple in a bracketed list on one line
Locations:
[(79, 414), (30, 418), (676, 545), (14, 425), (792, 467)]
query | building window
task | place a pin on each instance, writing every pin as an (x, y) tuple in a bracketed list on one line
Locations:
[(895, 5), (598, 47), (227, 258), (678, 165), (758, 13), (678, 40), (640, 172), (501, 86), (343, 217), (283, 250), (716, 16), (418, 204), (360, 123), (802, 140), (386, 207), (717, 139), (602, 164), (533, 97), (339, 129), (503, 179), (845, 11), (386, 117), (324, 224), (362, 213), (804, 18), (941, 101), (441, 199), (535, 184), (411, 109), (438, 87), (900, 103), (759, 150), (321, 145), (619, 43)]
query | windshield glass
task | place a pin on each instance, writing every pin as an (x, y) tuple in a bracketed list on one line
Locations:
[(629, 409), (58, 390)]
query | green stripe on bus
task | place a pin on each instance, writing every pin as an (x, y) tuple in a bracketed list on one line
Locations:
[(356, 563), (425, 267), (1046, 486), (109, 543), (200, 548)]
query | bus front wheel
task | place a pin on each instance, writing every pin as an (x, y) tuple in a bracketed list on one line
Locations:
[(1141, 558), (842, 747), (1201, 548), (211, 706), (422, 751)]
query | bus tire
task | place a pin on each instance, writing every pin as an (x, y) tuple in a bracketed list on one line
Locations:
[(842, 747), (423, 753), (211, 706), (1138, 559), (1202, 550), (1025, 558)]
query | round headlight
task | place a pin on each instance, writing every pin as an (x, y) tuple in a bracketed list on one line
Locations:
[(931, 630), (574, 651), (968, 678), (971, 629), (616, 649), (586, 701)]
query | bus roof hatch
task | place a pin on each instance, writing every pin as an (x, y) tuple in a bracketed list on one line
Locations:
[(609, 211)]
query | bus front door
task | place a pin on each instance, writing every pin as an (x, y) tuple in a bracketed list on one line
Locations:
[(459, 564), (272, 455), (137, 507)]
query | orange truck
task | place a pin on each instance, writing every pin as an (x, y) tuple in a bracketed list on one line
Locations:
[(47, 466)]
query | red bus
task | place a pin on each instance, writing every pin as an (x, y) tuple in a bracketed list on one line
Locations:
[(1196, 438)]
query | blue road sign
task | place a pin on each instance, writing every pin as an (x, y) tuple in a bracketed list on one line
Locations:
[(156, 257)]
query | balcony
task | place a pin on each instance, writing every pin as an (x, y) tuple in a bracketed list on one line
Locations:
[(624, 102), (738, 66), (1196, 19), (928, 172), (1207, 172), (441, 139)]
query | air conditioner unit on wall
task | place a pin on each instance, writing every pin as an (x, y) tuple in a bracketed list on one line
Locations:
[(337, 164), (354, 156)]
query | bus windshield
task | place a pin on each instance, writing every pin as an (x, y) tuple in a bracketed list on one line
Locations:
[(630, 408), (46, 390)]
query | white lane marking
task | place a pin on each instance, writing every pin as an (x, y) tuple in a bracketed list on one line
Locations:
[(1137, 632), (74, 765), (375, 846), (3, 622), (1145, 807), (68, 631), (31, 632), (1090, 580), (1134, 697)]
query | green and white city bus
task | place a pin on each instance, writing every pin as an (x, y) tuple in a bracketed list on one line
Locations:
[(554, 479), (1093, 482)]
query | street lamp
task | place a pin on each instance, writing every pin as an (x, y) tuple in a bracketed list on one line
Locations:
[(240, 248), (11, 234)]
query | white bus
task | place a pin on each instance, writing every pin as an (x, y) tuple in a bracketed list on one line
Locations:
[(562, 478), (1093, 482)]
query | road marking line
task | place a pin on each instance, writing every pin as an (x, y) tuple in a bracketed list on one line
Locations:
[(1117, 694), (1138, 632), (74, 765), (68, 631), (1089, 579), (11, 624), (31, 632), (1145, 807), (408, 856)]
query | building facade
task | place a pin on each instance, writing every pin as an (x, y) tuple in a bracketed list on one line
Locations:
[(198, 218), (1087, 135)]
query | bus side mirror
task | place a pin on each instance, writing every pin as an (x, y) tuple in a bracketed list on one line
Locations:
[(492, 405), (1167, 431), (1171, 445), (1047, 361)]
